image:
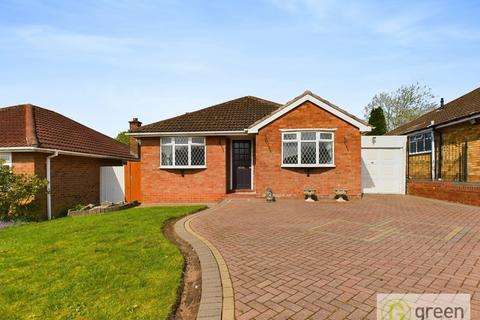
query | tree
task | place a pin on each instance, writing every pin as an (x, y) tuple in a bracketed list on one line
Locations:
[(123, 138), (378, 122), (402, 105), (17, 193)]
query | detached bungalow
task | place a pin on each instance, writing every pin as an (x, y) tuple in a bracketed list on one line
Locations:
[(246, 145), (38, 141)]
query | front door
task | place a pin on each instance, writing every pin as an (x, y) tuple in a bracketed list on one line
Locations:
[(242, 164)]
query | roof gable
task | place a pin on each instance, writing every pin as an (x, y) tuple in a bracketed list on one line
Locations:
[(319, 102), (37, 127), (463, 107)]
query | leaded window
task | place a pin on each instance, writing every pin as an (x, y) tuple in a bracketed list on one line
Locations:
[(182, 152), (308, 149)]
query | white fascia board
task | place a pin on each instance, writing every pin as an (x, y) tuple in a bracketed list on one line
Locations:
[(67, 153), (186, 133), (288, 108), (414, 133), (457, 121), (309, 129)]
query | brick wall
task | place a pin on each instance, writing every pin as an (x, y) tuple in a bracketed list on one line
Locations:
[(75, 180), (23, 162), (198, 185), (31, 163), (290, 182), (449, 191)]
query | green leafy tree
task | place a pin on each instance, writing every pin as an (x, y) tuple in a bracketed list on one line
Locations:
[(17, 193), (123, 138), (378, 122), (402, 105)]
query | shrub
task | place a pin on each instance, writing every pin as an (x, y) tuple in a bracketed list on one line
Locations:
[(378, 122), (17, 193)]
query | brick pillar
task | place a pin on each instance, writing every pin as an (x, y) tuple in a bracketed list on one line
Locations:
[(134, 145)]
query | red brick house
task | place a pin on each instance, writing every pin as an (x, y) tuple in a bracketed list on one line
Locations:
[(42, 142), (248, 144)]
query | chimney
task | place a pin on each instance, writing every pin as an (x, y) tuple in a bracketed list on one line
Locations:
[(442, 103), (134, 143), (30, 130)]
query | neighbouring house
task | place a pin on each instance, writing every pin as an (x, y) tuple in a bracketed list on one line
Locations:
[(444, 151), (38, 141), (246, 145)]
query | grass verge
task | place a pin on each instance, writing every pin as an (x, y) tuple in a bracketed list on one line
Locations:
[(113, 266)]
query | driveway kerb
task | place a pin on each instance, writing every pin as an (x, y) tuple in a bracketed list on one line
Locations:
[(217, 299)]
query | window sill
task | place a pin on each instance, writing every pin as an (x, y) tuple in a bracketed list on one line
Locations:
[(308, 166), (182, 167), (417, 153)]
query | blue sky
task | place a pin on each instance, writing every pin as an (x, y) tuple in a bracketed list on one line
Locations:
[(102, 62)]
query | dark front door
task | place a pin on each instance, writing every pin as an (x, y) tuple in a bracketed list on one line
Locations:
[(242, 164)]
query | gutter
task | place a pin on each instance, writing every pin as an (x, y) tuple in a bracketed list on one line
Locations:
[(454, 122), (49, 184), (184, 133), (434, 126), (68, 153)]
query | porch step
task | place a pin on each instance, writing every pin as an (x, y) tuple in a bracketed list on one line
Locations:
[(241, 194)]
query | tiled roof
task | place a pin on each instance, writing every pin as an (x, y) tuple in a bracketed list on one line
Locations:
[(234, 115), (463, 107), (32, 126), (12, 127)]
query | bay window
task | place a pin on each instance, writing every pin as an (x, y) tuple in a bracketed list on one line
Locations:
[(182, 152), (308, 149)]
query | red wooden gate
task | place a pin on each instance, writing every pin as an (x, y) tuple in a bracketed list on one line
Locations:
[(133, 181)]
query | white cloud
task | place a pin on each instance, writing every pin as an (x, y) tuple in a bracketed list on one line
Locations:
[(48, 38)]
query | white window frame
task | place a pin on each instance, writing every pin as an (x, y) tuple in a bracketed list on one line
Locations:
[(8, 162), (424, 134), (189, 144), (317, 153)]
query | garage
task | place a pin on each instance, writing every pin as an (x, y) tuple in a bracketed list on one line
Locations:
[(384, 164)]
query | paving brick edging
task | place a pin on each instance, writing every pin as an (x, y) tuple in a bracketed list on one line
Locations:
[(217, 300)]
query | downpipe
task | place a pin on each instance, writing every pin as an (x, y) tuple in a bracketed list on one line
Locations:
[(49, 183)]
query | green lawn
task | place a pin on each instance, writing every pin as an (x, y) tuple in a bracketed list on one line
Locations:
[(112, 266)]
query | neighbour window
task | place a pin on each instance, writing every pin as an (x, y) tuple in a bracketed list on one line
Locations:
[(308, 149), (182, 152), (420, 143), (6, 159)]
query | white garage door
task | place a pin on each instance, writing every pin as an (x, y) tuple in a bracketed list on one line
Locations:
[(383, 164)]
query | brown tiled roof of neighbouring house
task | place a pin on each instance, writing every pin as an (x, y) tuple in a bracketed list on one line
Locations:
[(234, 115), (32, 126), (465, 106)]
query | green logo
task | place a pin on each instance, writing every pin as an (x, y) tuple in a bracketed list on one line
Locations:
[(396, 309)]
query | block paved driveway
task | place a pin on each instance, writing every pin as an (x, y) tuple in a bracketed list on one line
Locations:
[(327, 260)]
